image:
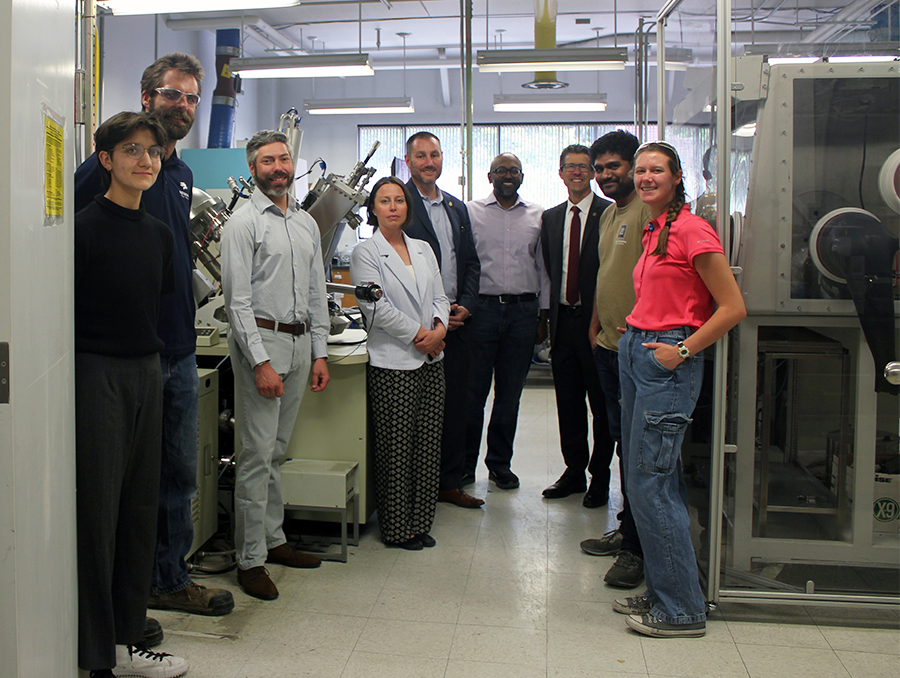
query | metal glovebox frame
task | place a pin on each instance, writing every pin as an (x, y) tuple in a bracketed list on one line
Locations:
[(823, 132)]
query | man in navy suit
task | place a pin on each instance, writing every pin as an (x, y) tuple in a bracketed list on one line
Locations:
[(443, 222), (569, 237)]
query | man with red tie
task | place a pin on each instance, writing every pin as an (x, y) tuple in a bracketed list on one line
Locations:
[(569, 236)]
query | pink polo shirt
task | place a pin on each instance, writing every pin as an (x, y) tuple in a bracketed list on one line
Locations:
[(669, 291)]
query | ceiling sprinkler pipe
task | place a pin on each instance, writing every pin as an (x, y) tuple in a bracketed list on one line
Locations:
[(221, 121)]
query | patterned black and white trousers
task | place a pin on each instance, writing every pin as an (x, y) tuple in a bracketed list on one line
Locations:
[(407, 408)]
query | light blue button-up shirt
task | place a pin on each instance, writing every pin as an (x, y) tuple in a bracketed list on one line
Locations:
[(272, 268), (444, 232)]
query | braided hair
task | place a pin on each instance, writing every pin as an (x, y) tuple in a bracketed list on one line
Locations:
[(678, 202)]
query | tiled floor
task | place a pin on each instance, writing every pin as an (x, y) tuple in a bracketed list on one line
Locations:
[(508, 594)]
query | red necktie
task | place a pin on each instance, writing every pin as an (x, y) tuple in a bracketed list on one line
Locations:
[(574, 255)]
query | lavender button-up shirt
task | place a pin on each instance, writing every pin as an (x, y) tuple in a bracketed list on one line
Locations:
[(508, 243)]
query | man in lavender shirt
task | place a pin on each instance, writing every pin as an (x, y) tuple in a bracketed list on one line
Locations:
[(507, 232)]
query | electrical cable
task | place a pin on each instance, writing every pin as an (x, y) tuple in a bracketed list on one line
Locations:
[(321, 163)]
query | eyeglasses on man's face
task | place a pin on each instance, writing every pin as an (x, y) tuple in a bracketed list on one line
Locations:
[(136, 151), (175, 95), (503, 171), (570, 167)]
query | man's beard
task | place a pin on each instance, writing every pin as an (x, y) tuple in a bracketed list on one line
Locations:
[(506, 190), (266, 186), (176, 123), (621, 190)]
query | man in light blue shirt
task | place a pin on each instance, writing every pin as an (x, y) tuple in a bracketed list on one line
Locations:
[(274, 285), (507, 232)]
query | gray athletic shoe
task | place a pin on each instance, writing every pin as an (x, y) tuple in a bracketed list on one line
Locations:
[(607, 545), (627, 572), (651, 626), (636, 605)]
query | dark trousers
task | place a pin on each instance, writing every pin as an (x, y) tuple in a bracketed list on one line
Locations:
[(607, 363), (118, 439), (574, 379), (501, 338), (407, 416), (456, 378)]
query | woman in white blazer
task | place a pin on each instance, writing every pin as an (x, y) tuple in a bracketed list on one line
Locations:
[(406, 329)]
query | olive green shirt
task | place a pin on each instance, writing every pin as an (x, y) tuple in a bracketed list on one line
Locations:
[(621, 229)]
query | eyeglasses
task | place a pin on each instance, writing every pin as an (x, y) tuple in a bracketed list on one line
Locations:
[(136, 151), (511, 171), (570, 167), (175, 95)]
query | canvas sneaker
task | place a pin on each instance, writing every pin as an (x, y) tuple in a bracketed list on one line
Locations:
[(649, 625), (139, 662), (634, 605)]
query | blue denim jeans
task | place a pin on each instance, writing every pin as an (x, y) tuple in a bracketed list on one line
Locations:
[(501, 342), (178, 473), (657, 404)]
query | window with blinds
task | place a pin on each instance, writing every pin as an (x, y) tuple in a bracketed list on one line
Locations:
[(537, 146)]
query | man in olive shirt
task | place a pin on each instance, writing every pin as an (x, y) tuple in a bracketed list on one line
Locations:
[(621, 228)]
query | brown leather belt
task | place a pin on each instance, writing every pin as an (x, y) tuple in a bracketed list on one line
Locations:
[(297, 329)]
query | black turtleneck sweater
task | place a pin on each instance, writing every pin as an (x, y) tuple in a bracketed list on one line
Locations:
[(123, 262)]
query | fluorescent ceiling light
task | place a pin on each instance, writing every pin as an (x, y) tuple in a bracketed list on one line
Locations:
[(359, 106), (861, 59), (747, 130), (774, 61), (123, 7), (549, 103), (317, 66), (525, 60)]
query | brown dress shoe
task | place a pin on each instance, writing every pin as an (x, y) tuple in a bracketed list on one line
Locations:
[(460, 498), (256, 583), (285, 555)]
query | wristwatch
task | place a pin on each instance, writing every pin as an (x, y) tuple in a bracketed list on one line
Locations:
[(683, 350)]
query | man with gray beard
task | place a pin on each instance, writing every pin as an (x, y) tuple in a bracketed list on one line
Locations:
[(274, 284)]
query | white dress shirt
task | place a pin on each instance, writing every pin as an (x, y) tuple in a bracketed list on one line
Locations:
[(585, 208)]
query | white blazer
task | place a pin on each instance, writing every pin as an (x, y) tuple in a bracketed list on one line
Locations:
[(407, 304)]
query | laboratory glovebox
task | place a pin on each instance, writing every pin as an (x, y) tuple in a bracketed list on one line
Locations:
[(816, 256)]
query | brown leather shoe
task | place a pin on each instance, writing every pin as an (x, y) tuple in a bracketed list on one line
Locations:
[(195, 599), (285, 555), (460, 498), (256, 583)]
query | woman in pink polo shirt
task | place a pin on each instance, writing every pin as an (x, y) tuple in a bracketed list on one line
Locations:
[(687, 299)]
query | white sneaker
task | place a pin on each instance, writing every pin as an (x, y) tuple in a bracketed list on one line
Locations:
[(133, 660)]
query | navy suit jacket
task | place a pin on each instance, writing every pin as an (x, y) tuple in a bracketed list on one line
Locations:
[(553, 222), (468, 268)]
